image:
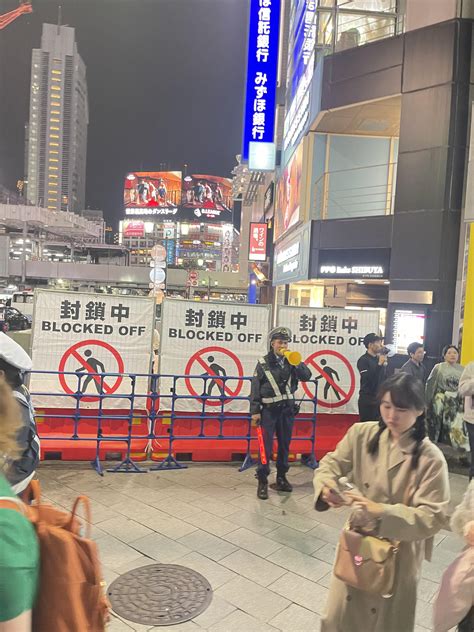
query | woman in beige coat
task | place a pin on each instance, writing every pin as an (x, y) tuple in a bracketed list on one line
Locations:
[(385, 460)]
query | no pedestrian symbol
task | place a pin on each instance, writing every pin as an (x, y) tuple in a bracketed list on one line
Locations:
[(335, 377), (216, 362), (86, 359)]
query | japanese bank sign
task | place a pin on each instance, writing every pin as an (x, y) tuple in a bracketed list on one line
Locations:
[(330, 342), (79, 337), (262, 69), (210, 347)]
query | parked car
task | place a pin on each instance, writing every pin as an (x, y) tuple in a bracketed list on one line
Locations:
[(3, 322), (15, 320)]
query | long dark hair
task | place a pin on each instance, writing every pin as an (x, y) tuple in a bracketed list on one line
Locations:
[(406, 392)]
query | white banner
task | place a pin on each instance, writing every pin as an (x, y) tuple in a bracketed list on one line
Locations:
[(210, 340), (330, 342), (83, 334)]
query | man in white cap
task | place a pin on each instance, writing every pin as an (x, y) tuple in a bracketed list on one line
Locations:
[(14, 361), (273, 407)]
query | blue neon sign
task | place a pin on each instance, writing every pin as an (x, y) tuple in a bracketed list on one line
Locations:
[(262, 69)]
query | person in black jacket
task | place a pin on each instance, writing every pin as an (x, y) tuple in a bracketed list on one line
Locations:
[(272, 406), (14, 361), (372, 367), (414, 366)]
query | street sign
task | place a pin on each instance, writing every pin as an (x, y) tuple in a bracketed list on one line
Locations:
[(157, 275), (158, 252)]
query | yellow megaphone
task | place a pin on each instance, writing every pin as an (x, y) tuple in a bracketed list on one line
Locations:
[(293, 357)]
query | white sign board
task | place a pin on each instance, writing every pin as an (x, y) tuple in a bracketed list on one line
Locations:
[(209, 341), (78, 335), (330, 342)]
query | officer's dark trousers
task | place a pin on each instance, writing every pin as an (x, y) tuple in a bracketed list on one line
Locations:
[(277, 420)]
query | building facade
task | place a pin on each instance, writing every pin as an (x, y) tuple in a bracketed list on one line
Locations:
[(59, 116), (369, 193)]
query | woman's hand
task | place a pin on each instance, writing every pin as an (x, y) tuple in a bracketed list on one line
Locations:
[(373, 509), (331, 495)]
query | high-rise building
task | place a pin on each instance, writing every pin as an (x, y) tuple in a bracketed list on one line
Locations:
[(59, 117)]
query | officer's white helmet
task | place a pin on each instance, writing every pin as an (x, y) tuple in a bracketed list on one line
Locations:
[(13, 354), (279, 333)]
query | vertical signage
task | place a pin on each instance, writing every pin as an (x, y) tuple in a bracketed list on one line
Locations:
[(262, 69), (408, 326), (258, 242)]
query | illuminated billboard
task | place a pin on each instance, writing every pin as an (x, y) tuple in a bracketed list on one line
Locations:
[(262, 71), (206, 198), (287, 210), (157, 190), (133, 228), (258, 242)]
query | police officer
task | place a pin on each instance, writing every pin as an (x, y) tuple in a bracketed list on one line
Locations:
[(372, 367), (14, 361), (272, 406)]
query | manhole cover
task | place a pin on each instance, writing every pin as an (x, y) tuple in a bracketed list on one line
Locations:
[(160, 594)]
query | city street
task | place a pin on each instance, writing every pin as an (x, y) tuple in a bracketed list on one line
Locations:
[(269, 563)]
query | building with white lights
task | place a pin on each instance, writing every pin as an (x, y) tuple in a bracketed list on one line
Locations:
[(59, 116)]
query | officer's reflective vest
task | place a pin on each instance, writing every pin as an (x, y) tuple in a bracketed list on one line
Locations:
[(278, 395)]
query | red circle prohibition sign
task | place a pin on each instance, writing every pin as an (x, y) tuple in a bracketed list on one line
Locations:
[(345, 396), (197, 357), (74, 353)]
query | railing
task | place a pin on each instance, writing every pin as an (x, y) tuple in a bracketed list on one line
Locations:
[(357, 192), (158, 421), (342, 27)]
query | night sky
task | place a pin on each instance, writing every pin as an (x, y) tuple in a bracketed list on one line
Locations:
[(165, 80)]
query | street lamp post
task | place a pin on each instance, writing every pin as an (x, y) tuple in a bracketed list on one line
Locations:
[(209, 286)]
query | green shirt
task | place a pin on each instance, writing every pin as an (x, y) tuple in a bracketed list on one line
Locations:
[(19, 560)]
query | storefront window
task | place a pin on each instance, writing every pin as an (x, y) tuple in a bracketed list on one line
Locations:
[(358, 22)]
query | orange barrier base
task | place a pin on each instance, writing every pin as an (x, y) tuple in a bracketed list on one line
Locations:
[(59, 423), (329, 431)]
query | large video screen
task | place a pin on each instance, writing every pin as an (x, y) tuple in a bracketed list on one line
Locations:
[(207, 198), (287, 210), (158, 189)]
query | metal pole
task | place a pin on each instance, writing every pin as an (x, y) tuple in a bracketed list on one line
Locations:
[(23, 253)]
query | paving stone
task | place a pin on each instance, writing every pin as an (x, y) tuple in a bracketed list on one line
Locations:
[(240, 621), (211, 524), (125, 529), (217, 611), (259, 602), (160, 548), (296, 619), (252, 521), (296, 540), (300, 563), (253, 567), (301, 591), (216, 574), (258, 544), (208, 544)]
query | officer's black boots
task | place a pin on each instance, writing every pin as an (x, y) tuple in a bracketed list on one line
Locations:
[(282, 484), (262, 490)]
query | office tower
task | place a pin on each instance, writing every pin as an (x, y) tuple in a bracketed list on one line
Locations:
[(58, 122)]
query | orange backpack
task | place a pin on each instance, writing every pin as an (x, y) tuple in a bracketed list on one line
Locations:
[(71, 591)]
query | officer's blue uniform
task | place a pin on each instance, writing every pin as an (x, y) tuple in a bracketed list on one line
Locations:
[(272, 396)]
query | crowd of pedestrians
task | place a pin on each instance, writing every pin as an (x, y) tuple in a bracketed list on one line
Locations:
[(388, 469)]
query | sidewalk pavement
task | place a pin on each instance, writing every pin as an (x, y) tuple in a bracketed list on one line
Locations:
[(269, 562)]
